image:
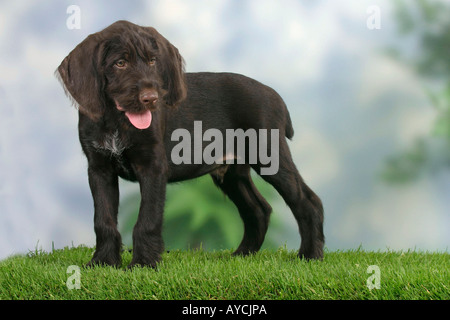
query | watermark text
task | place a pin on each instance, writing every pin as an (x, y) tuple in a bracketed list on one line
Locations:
[(373, 282), (234, 146), (73, 281)]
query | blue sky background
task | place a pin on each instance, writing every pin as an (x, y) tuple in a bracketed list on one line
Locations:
[(352, 106)]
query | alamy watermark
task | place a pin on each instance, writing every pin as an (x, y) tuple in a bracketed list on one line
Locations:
[(235, 146), (74, 20), (373, 21), (374, 281), (74, 280)]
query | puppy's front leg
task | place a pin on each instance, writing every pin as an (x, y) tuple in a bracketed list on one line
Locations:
[(105, 192), (147, 234)]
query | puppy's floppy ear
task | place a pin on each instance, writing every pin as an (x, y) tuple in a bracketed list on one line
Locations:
[(172, 70), (82, 79)]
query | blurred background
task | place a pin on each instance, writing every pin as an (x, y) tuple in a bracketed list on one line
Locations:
[(367, 84)]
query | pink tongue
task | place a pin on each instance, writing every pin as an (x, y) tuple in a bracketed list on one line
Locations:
[(140, 120)]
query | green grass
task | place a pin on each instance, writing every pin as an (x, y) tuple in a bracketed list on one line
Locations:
[(218, 275)]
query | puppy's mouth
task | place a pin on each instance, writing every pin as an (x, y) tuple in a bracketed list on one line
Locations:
[(140, 120)]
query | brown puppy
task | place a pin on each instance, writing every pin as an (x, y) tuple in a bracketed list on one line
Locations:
[(136, 103)]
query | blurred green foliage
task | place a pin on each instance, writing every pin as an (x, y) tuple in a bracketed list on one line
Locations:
[(197, 214), (428, 23)]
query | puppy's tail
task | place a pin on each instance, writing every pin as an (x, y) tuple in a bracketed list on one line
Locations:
[(289, 131)]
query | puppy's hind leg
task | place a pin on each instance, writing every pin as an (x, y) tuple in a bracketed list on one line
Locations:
[(254, 210), (304, 203)]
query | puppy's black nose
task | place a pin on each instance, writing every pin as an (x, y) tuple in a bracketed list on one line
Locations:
[(148, 97)]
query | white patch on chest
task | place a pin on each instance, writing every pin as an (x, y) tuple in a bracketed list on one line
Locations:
[(112, 143)]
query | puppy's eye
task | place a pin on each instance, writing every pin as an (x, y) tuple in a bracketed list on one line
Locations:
[(121, 64), (152, 61)]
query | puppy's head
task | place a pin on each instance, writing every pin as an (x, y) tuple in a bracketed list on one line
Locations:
[(126, 67)]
